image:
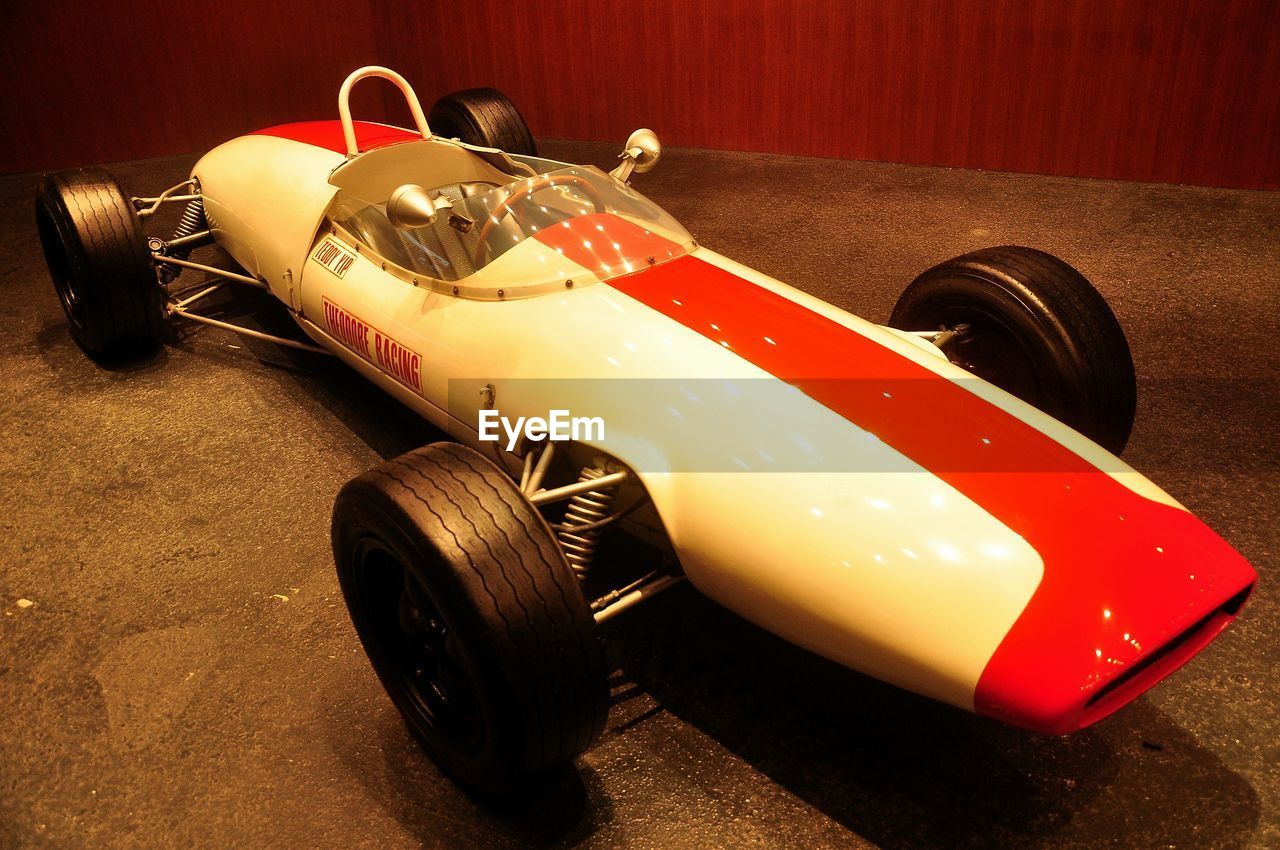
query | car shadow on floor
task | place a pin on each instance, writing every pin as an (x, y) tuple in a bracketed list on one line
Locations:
[(893, 768), (394, 772), (905, 771), (69, 365), (384, 424)]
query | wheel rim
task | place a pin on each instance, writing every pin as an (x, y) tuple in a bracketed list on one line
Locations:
[(991, 350), (59, 263), (417, 652)]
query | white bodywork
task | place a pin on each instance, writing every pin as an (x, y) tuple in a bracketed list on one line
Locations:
[(836, 542), (925, 616)]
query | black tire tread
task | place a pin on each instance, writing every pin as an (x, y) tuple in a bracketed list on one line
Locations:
[(502, 600), (107, 251), (486, 118), (1087, 313), (1087, 322), (552, 583), (547, 649)]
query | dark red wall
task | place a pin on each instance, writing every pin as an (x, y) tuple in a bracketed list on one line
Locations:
[(88, 82), (1162, 90)]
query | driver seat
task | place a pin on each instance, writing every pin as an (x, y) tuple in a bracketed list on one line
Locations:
[(439, 250), (441, 246)]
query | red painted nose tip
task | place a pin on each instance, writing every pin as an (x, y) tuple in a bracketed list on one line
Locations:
[(1091, 641)]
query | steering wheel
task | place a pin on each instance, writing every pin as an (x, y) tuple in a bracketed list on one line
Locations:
[(537, 184)]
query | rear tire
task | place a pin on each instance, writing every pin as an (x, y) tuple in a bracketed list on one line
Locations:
[(471, 616), (485, 118), (1038, 329), (98, 259)]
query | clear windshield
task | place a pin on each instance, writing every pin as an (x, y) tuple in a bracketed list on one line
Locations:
[(581, 212)]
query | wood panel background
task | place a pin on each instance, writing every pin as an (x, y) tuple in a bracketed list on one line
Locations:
[(1184, 91), (91, 82)]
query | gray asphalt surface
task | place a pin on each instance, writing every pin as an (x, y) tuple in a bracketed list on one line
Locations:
[(186, 673)]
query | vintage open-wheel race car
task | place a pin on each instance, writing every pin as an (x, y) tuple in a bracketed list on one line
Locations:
[(936, 502)]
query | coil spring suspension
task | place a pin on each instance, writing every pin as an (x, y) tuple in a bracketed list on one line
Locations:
[(585, 509), (192, 221)]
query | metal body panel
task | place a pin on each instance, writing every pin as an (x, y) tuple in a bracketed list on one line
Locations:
[(855, 549), (838, 562), (264, 197)]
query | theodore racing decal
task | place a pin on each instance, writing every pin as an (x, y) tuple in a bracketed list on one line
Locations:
[(392, 357), (347, 329), (398, 362), (333, 256)]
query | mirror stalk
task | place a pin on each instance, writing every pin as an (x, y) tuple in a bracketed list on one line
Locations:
[(640, 155)]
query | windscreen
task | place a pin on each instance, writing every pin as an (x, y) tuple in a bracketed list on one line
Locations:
[(486, 222)]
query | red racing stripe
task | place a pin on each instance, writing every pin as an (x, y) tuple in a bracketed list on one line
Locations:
[(1123, 575), (328, 134), (608, 244)]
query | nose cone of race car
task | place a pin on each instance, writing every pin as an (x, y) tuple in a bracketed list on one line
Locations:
[(1122, 604), (1104, 585)]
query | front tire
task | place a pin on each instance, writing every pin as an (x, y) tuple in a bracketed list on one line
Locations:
[(482, 117), (1036, 328), (98, 259), (471, 616)]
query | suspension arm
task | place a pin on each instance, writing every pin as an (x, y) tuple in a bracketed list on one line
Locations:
[(557, 494), (161, 259), (612, 604)]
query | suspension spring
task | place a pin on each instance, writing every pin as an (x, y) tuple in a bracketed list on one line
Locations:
[(192, 221), (585, 509)]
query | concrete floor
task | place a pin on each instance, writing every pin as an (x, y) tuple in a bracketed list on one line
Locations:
[(187, 674)]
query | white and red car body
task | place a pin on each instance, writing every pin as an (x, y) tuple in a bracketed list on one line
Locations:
[(984, 554)]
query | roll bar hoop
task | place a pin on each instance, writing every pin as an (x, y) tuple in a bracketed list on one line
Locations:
[(344, 105)]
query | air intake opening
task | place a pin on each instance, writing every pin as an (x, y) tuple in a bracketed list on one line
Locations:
[(1163, 661)]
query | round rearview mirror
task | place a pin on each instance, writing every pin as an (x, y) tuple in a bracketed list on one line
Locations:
[(644, 148), (409, 206)]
